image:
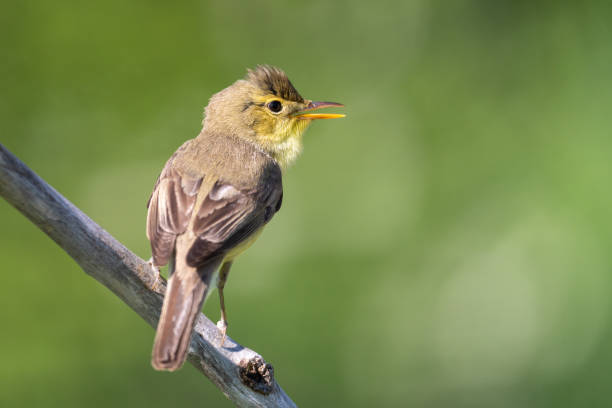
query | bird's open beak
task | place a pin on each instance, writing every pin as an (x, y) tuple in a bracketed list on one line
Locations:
[(303, 114)]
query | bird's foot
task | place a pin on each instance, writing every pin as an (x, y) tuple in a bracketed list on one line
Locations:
[(155, 268), (222, 326), (158, 277)]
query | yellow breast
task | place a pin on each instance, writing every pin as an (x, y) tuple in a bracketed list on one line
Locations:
[(243, 246)]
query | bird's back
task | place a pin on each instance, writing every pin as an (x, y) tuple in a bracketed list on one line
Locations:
[(239, 163)]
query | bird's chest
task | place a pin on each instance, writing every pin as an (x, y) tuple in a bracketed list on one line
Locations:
[(243, 246)]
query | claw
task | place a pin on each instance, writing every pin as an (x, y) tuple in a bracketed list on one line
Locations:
[(155, 268), (222, 326), (158, 279)]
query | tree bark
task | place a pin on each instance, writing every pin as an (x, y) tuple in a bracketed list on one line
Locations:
[(240, 373)]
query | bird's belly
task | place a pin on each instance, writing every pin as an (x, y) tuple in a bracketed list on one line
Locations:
[(243, 246)]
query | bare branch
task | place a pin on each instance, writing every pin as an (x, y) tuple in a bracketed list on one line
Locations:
[(240, 373)]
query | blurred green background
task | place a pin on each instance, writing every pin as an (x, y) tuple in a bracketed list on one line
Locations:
[(445, 245)]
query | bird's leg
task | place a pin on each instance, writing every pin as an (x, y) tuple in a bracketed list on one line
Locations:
[(223, 273)]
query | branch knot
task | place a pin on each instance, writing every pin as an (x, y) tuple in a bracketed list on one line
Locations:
[(257, 375)]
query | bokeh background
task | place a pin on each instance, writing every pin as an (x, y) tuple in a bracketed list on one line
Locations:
[(445, 245)]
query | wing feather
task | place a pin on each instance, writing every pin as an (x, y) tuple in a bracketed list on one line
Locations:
[(170, 208), (229, 215)]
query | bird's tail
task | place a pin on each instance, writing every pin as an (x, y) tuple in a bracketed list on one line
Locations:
[(187, 289)]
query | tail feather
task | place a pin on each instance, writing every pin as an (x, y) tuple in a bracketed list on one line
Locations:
[(187, 289)]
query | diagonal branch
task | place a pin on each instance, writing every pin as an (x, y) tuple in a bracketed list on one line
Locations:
[(240, 373)]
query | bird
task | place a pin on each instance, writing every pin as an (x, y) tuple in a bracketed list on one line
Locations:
[(217, 192)]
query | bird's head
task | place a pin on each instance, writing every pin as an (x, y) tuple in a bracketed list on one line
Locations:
[(267, 110)]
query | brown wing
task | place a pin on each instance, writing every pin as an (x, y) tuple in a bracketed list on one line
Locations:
[(229, 215), (170, 208)]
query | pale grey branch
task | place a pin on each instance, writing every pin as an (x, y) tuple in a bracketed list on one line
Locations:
[(240, 373)]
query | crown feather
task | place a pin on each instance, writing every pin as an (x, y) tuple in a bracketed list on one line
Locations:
[(275, 81)]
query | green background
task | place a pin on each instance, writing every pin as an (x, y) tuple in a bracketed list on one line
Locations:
[(445, 245)]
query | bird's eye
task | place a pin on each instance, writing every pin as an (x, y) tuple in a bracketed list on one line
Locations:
[(275, 106)]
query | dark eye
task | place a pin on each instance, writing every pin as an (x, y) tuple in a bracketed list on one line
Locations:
[(275, 106)]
